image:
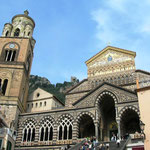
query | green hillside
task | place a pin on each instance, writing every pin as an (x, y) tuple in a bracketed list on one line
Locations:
[(58, 90)]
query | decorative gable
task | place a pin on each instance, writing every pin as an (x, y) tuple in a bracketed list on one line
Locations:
[(120, 95), (109, 60)]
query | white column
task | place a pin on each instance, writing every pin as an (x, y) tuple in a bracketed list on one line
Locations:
[(67, 132), (11, 55), (40, 134), (7, 56), (62, 132), (44, 134), (27, 134), (31, 134), (48, 133), (96, 130), (118, 122)]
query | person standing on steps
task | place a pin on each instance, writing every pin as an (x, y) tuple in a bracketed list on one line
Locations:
[(118, 142)]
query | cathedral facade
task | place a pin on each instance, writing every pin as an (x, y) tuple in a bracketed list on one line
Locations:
[(105, 103)]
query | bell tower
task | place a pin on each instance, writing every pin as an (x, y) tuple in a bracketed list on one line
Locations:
[(16, 54)]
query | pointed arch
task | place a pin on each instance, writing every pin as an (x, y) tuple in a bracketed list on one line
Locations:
[(65, 127), (17, 32), (106, 92), (46, 128), (85, 124), (28, 133), (85, 113), (7, 33), (129, 120), (106, 102), (128, 107)]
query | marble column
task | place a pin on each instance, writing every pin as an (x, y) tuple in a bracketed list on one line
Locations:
[(96, 130), (101, 134), (119, 133)]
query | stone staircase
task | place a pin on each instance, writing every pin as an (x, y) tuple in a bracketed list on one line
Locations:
[(113, 145)]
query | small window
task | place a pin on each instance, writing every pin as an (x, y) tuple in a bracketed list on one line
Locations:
[(40, 104), (28, 33), (28, 105), (4, 87), (36, 105), (17, 32), (38, 94), (7, 33), (44, 103), (32, 105)]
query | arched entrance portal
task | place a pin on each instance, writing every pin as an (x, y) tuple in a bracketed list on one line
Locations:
[(129, 122), (108, 125), (86, 126)]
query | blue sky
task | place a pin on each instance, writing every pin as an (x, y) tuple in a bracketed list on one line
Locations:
[(68, 32)]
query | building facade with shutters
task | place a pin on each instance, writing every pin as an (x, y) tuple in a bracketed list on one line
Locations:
[(104, 104)]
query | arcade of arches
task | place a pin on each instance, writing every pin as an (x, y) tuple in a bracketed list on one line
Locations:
[(86, 124)]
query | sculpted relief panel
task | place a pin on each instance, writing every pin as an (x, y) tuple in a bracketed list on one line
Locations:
[(5, 74)]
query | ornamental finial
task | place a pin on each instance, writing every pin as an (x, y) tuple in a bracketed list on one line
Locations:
[(26, 12)]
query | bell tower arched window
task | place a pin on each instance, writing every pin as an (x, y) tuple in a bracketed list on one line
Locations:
[(28, 33), (7, 33), (10, 55), (17, 32)]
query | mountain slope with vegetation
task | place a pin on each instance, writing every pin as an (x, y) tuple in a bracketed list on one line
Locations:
[(58, 90)]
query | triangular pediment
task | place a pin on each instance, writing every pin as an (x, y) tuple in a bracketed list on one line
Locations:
[(112, 54), (122, 95), (39, 94)]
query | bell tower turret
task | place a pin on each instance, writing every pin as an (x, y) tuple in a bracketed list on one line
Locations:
[(16, 54)]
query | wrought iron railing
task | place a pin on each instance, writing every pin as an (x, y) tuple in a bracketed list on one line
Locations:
[(78, 145), (125, 144)]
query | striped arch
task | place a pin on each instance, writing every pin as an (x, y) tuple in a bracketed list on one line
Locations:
[(129, 117), (106, 92), (128, 107), (85, 124), (85, 113)]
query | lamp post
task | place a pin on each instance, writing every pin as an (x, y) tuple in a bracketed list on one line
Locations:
[(142, 126)]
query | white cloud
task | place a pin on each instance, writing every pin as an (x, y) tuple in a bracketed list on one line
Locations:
[(122, 21)]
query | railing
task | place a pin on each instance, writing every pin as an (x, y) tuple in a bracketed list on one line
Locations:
[(78, 145), (124, 146)]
